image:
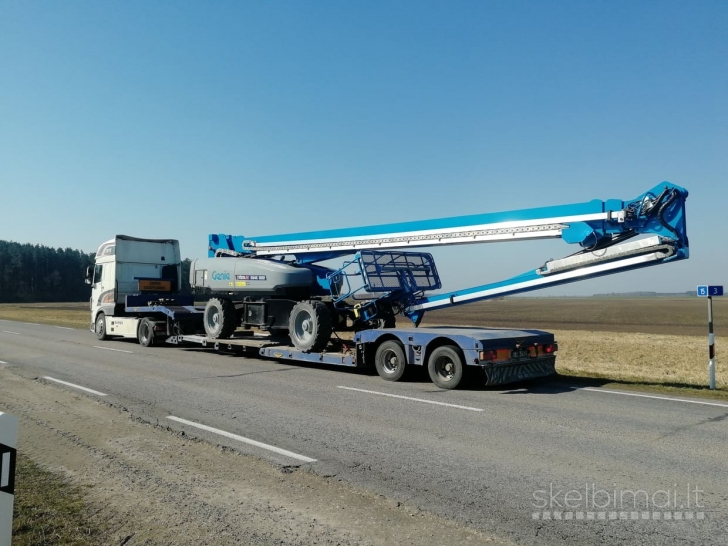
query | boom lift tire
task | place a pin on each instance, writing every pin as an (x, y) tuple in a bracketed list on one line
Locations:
[(145, 333), (309, 326), (100, 327), (389, 360), (446, 367), (219, 318)]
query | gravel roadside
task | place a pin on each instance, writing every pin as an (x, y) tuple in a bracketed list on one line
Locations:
[(147, 485)]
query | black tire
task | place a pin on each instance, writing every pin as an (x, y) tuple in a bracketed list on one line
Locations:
[(389, 360), (100, 327), (309, 326), (446, 367), (145, 333), (219, 318)]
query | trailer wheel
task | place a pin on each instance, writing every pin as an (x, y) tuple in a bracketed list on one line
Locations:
[(219, 318), (100, 327), (389, 360), (446, 367), (309, 326), (145, 333)]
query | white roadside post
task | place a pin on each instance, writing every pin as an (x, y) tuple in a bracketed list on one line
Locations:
[(706, 291), (8, 443)]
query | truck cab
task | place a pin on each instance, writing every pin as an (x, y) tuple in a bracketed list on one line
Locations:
[(125, 266)]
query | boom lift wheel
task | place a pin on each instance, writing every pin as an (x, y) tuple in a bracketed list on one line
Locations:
[(100, 327), (219, 318), (145, 333), (389, 360), (309, 326), (446, 367)]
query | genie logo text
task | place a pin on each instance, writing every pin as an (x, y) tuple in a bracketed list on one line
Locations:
[(220, 276)]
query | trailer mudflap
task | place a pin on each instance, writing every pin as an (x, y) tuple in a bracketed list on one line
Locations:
[(510, 372)]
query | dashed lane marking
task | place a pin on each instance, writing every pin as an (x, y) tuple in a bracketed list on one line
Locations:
[(73, 385), (110, 349), (243, 439), (606, 391), (412, 399)]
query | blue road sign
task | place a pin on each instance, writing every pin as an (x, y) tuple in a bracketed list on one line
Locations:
[(704, 291)]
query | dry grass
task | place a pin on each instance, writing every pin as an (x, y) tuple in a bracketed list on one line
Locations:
[(73, 315), (667, 360), (47, 511)]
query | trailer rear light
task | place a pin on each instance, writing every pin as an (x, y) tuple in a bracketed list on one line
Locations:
[(488, 355), (552, 348)]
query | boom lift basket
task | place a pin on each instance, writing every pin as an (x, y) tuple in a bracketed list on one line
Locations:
[(408, 271), (405, 273)]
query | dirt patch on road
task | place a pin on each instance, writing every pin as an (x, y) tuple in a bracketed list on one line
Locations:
[(147, 485)]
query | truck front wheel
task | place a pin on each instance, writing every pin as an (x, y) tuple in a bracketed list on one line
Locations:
[(145, 333), (100, 327), (446, 367)]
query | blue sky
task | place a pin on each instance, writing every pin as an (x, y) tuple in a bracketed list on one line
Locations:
[(180, 119)]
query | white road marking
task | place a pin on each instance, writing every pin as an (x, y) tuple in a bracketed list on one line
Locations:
[(32, 323), (244, 439), (656, 397), (413, 399), (110, 349), (63, 327), (9, 332), (73, 385), (3, 362)]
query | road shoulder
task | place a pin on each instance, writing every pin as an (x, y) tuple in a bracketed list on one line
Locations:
[(148, 485)]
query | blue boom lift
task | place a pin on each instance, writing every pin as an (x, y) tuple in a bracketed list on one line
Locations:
[(603, 229)]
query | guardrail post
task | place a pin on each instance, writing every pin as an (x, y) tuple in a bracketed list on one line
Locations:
[(8, 443)]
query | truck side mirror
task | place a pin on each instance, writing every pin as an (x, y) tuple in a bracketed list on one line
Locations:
[(88, 275)]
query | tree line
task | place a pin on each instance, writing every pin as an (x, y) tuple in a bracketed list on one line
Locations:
[(36, 273)]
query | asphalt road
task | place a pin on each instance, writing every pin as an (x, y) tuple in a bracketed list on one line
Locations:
[(538, 463)]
